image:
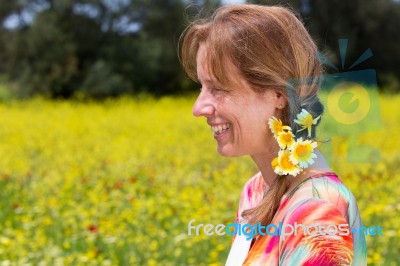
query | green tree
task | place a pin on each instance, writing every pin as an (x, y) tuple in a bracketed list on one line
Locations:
[(98, 47), (372, 24)]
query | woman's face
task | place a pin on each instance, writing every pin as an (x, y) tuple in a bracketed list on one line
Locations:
[(237, 116)]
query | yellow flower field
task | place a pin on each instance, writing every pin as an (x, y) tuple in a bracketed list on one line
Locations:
[(116, 183)]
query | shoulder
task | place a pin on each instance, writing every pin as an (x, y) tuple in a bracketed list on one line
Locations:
[(331, 189), (314, 210), (324, 204), (322, 235), (325, 190), (328, 186)]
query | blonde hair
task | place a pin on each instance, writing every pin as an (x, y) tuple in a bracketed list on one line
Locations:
[(271, 49)]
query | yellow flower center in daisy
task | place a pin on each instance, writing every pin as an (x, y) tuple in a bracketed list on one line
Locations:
[(303, 151), (285, 163), (287, 137)]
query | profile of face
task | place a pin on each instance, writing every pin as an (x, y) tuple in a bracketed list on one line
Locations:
[(238, 116)]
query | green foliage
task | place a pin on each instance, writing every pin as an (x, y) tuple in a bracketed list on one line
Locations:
[(98, 48), (373, 25), (43, 59), (55, 47), (367, 24), (101, 81)]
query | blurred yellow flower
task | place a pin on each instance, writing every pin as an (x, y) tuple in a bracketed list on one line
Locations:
[(81, 179)]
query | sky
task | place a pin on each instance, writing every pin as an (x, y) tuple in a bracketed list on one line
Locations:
[(13, 20), (229, 2)]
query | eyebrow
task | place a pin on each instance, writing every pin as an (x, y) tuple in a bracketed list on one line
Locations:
[(205, 81)]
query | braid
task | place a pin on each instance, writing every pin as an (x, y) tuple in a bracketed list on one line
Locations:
[(311, 103)]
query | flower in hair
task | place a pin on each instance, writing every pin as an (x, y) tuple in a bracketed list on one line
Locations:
[(285, 137), (305, 120), (301, 152), (294, 155), (285, 165), (275, 125)]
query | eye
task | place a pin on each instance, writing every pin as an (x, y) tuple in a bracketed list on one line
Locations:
[(215, 90)]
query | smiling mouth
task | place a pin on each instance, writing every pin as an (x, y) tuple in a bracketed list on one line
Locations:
[(220, 128)]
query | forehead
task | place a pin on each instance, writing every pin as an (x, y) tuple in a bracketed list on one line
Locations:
[(202, 66), (207, 68)]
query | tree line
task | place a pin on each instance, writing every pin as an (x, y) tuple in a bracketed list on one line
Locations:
[(102, 48)]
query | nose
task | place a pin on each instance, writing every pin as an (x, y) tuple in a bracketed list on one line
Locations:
[(203, 106)]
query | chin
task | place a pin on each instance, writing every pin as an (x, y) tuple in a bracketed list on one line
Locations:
[(228, 151)]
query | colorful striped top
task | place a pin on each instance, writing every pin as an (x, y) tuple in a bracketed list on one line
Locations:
[(319, 200)]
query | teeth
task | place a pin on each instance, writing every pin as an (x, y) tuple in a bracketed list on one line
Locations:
[(220, 128)]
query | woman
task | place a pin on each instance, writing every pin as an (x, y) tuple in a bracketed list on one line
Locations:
[(260, 77)]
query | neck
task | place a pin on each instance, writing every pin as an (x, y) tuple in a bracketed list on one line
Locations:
[(263, 162)]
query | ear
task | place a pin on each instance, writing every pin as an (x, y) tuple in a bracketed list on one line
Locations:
[(280, 100)]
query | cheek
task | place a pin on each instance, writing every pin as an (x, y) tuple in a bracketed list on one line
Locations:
[(254, 132), (258, 126)]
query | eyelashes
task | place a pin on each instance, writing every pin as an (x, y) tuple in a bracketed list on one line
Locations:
[(214, 90)]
